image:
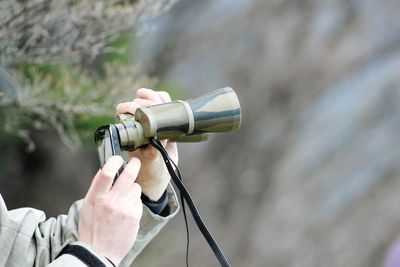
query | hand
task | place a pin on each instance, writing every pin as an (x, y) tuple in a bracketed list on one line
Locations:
[(153, 176), (110, 216)]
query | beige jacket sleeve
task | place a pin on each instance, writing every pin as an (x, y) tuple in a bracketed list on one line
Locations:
[(28, 239)]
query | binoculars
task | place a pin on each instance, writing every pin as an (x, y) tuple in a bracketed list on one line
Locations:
[(181, 121)]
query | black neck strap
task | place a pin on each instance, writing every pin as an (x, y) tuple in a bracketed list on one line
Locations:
[(192, 207)]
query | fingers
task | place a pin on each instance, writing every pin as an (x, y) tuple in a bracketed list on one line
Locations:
[(125, 182), (127, 107), (145, 102), (148, 94), (144, 98), (164, 96), (131, 107), (103, 180), (135, 194)]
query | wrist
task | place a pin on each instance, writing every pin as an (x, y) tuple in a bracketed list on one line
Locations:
[(155, 191), (154, 179)]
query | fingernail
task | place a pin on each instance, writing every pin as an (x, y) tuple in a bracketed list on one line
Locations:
[(132, 167)]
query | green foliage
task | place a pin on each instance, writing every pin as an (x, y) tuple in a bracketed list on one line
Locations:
[(68, 71), (72, 99), (121, 50)]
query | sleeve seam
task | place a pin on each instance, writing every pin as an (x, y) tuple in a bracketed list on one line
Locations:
[(16, 230)]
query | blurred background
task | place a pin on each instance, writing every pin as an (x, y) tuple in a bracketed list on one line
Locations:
[(310, 179)]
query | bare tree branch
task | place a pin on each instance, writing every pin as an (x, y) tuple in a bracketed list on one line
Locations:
[(42, 31)]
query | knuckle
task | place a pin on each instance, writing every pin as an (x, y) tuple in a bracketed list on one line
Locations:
[(165, 97), (133, 106), (108, 207), (138, 102), (133, 216), (136, 213), (141, 90), (106, 174), (118, 107), (99, 199)]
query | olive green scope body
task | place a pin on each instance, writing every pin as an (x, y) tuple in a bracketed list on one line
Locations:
[(181, 121)]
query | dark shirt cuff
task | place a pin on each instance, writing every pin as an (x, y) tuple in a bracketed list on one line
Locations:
[(159, 207)]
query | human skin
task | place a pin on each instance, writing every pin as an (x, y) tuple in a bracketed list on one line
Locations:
[(110, 216), (153, 176)]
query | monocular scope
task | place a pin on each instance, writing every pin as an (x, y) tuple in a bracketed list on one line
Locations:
[(181, 121)]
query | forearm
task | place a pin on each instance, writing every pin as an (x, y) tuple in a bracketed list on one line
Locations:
[(27, 239)]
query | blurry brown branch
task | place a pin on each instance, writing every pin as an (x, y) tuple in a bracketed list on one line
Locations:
[(50, 32), (61, 30), (75, 96)]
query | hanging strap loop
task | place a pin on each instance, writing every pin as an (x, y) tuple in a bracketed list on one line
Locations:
[(185, 195)]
